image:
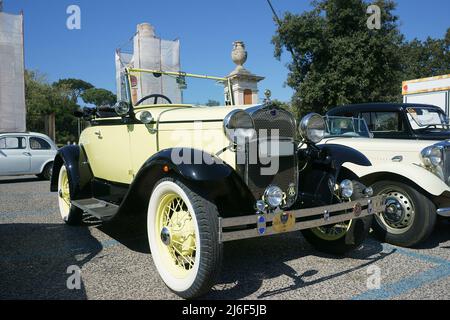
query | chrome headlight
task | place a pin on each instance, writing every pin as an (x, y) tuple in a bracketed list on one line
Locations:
[(238, 126), (273, 196), (146, 117), (432, 156), (346, 188), (312, 128)]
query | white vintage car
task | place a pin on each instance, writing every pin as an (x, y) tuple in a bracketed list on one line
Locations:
[(26, 153), (414, 174)]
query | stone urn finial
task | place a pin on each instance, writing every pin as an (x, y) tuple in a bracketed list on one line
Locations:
[(239, 55)]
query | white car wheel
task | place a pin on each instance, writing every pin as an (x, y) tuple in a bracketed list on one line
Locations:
[(182, 232), (63, 194)]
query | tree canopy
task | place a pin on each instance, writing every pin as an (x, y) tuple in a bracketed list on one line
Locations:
[(339, 60), (60, 98), (99, 97), (76, 86)]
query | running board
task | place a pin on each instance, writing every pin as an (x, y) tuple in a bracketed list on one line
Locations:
[(97, 208)]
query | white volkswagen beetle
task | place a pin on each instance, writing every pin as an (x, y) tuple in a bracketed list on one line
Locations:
[(26, 153)]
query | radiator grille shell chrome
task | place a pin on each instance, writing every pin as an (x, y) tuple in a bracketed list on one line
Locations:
[(267, 121)]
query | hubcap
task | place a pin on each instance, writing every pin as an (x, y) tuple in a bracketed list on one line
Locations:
[(399, 214), (165, 236)]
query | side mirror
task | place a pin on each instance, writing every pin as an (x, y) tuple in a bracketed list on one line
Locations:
[(122, 108)]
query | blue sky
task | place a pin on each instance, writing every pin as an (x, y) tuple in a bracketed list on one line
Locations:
[(206, 29)]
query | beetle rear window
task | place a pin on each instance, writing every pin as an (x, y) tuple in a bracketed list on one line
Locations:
[(39, 144)]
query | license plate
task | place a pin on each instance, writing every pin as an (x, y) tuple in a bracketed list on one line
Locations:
[(283, 222)]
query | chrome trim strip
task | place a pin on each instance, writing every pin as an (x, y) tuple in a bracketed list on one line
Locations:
[(374, 205)]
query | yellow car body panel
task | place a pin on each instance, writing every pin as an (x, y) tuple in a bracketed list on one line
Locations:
[(117, 152)]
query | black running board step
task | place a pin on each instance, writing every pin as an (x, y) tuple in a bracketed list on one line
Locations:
[(97, 208)]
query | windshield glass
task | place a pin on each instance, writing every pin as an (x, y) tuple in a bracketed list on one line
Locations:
[(425, 118), (346, 127)]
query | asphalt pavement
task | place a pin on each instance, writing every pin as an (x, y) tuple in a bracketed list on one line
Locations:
[(38, 254)]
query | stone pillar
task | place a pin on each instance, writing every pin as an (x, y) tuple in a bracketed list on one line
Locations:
[(244, 83)]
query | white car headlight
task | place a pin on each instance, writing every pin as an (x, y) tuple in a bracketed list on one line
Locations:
[(273, 196), (239, 127), (312, 128), (432, 156), (346, 187)]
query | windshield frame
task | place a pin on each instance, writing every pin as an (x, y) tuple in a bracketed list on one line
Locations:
[(443, 125), (128, 72)]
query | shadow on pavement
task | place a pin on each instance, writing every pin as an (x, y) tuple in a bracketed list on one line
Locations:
[(35, 258), (441, 234), (19, 179), (248, 263), (130, 232)]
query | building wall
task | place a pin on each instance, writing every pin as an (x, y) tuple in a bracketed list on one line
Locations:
[(12, 86)]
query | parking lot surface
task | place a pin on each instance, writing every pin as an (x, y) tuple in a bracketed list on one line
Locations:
[(37, 249)]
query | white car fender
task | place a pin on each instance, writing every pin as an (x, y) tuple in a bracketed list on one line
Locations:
[(413, 172), (45, 163)]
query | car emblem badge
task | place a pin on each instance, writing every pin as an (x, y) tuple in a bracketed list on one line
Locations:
[(291, 190), (357, 208)]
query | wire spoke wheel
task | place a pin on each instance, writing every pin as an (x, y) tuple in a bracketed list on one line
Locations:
[(63, 193), (176, 226), (182, 229), (334, 232)]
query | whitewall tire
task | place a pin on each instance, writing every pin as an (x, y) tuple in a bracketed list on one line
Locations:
[(182, 230)]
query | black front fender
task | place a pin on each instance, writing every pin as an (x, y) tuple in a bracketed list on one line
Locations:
[(342, 154), (206, 174), (78, 171)]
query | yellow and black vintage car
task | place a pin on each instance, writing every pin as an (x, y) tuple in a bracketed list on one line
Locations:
[(200, 176)]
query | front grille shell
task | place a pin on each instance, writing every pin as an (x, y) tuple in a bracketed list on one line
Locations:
[(269, 118)]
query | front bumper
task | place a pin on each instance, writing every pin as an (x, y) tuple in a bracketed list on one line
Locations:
[(252, 226)]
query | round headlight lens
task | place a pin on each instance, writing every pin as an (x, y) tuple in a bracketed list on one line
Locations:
[(432, 156), (273, 196), (346, 189), (146, 117), (238, 127), (312, 128)]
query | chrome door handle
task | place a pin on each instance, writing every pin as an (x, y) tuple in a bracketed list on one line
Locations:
[(27, 154)]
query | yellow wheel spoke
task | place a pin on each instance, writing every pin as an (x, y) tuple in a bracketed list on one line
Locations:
[(174, 215)]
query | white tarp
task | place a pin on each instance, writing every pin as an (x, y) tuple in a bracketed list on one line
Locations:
[(12, 87), (150, 52)]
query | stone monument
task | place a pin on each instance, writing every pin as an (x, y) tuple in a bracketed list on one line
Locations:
[(244, 83)]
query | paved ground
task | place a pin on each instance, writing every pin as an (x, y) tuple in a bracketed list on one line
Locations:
[(37, 248)]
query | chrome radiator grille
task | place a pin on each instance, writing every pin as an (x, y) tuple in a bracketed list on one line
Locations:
[(275, 119), (267, 121)]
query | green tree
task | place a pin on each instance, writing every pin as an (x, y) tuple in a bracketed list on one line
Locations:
[(339, 60), (212, 103), (43, 99), (99, 97), (76, 87), (426, 58)]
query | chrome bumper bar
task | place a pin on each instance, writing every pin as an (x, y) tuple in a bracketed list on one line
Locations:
[(444, 212), (282, 222)]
